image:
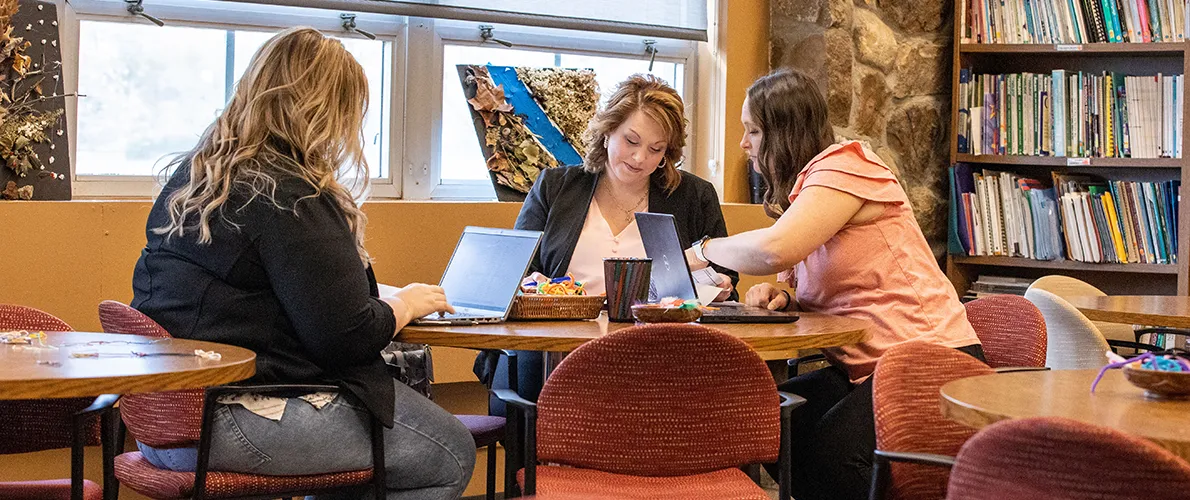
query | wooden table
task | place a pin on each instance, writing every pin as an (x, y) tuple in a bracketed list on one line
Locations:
[(27, 373), (811, 331), (980, 401), (1158, 310)]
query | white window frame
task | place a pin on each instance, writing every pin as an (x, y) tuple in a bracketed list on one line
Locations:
[(239, 17), (415, 74), (422, 179)]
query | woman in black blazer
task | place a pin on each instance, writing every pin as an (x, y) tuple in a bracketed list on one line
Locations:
[(586, 211)]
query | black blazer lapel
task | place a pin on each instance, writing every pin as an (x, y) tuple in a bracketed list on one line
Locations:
[(572, 216)]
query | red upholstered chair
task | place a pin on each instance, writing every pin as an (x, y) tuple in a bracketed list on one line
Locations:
[(624, 416), (49, 424), (906, 400), (1061, 459), (177, 418), (1011, 329)]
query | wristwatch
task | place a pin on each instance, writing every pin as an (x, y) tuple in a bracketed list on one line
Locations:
[(699, 247)]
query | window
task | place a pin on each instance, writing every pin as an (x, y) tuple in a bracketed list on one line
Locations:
[(151, 92), (460, 160)]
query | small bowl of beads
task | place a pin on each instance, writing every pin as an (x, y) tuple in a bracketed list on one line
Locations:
[(1162, 375), (1158, 379), (668, 310)]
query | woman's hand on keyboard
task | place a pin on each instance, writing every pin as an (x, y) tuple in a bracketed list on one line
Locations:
[(419, 299)]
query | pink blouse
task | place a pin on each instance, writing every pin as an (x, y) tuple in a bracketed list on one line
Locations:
[(881, 270), (597, 242)]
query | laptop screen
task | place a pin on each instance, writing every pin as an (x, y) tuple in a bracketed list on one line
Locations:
[(670, 274), (487, 266)]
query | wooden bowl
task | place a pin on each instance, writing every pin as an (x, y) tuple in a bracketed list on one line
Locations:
[(653, 313), (1159, 384)]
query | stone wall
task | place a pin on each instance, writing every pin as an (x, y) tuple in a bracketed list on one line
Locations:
[(885, 66)]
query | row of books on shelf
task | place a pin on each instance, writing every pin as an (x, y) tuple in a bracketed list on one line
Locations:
[(1071, 114), (1073, 21), (1078, 217), (1166, 340), (996, 285)]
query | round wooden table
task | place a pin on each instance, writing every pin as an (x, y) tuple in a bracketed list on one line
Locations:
[(30, 372), (1157, 310), (811, 331), (980, 401)]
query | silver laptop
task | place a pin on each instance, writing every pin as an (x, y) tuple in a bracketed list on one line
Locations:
[(671, 274), (484, 274)]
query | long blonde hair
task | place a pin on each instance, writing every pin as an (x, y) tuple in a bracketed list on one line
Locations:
[(297, 111), (659, 102)]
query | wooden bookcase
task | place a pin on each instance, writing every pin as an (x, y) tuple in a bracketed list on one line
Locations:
[(1131, 58)]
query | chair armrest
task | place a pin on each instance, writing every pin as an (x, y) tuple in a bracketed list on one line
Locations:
[(510, 397), (790, 401), (917, 458), (882, 463), (785, 450), (1133, 345), (805, 359), (210, 397), (101, 403), (1010, 369), (274, 390)]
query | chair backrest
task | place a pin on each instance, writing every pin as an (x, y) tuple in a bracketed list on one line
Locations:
[(1073, 343), (905, 398), (1011, 329), (159, 419), (42, 424), (1066, 287), (660, 400), (1056, 458)]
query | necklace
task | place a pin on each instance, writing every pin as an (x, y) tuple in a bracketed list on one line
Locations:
[(630, 210)]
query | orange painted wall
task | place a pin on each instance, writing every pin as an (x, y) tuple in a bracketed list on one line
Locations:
[(747, 54)]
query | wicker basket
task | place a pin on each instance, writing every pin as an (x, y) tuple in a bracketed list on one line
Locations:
[(557, 306)]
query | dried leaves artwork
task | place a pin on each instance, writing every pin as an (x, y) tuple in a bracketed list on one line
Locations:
[(517, 155), (568, 96), (24, 83)]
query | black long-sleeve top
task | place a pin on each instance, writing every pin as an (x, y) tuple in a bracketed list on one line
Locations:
[(287, 283), (559, 200)]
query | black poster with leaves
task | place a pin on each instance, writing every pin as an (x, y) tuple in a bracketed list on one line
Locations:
[(34, 151)]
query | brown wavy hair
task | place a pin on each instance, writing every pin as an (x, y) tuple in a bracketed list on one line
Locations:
[(658, 101), (297, 111), (791, 112)]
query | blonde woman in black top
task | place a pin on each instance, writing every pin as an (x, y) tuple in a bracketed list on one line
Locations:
[(257, 241)]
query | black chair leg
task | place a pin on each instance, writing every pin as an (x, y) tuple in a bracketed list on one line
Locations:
[(491, 476), (880, 478), (112, 444)]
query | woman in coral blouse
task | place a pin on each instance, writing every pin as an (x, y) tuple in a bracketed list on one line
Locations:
[(846, 239)]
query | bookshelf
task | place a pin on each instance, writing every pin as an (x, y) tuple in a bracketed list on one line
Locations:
[(1130, 58)]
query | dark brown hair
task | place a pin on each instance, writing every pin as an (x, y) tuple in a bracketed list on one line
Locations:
[(659, 102), (790, 111)]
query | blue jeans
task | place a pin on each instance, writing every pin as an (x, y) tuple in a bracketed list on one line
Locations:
[(429, 454)]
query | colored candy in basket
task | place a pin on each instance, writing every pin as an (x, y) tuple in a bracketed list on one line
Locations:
[(564, 285), (678, 303)]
